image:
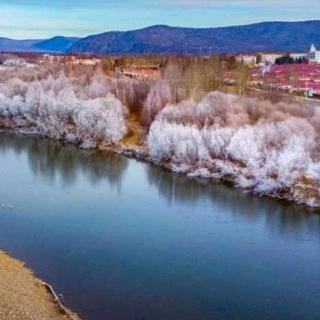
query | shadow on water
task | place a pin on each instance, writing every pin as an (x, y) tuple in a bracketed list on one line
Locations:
[(279, 215), (53, 158)]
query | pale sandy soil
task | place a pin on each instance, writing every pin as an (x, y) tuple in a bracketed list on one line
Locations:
[(24, 297)]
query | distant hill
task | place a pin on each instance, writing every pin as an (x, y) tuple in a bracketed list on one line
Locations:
[(267, 36), (160, 39), (16, 45), (56, 44)]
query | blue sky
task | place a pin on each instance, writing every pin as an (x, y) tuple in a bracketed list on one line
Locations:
[(22, 19)]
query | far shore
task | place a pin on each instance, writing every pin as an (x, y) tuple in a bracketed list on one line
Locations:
[(24, 297)]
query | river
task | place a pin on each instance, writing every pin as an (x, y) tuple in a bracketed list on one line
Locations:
[(121, 239)]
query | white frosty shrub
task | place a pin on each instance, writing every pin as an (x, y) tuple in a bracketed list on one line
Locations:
[(267, 147), (102, 119), (61, 107)]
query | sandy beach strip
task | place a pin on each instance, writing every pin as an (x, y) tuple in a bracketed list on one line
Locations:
[(24, 297)]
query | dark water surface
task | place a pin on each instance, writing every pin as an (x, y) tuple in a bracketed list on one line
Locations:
[(125, 240)]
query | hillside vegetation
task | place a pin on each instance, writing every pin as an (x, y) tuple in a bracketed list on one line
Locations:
[(164, 40)]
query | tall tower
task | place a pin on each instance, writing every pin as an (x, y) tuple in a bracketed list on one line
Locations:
[(312, 54)]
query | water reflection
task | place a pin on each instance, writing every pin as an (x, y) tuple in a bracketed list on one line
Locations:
[(279, 216), (52, 159)]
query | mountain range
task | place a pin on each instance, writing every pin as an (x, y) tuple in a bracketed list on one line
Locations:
[(161, 39)]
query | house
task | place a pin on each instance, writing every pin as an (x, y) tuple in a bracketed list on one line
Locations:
[(248, 59), (270, 58), (314, 55)]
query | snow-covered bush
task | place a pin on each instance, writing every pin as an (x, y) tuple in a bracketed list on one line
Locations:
[(101, 119), (256, 144), (65, 107), (14, 62)]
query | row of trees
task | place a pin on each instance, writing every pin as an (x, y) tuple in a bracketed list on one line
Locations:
[(188, 76), (288, 59)]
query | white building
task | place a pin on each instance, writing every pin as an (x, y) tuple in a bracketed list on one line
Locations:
[(270, 58), (248, 59), (297, 56), (314, 55)]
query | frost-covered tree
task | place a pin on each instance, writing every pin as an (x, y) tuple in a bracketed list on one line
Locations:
[(159, 96)]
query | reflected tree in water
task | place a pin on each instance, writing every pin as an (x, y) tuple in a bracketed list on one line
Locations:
[(54, 160), (280, 216)]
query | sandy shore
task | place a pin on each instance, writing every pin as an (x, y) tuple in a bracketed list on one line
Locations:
[(24, 297)]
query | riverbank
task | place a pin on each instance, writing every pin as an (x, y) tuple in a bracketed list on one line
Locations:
[(24, 297), (260, 144), (304, 191)]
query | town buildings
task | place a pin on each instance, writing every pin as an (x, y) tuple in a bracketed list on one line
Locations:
[(270, 58), (293, 78)]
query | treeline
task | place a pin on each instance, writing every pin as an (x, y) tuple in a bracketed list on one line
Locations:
[(189, 76), (288, 59)]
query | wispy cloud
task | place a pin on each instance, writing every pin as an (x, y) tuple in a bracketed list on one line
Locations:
[(43, 18)]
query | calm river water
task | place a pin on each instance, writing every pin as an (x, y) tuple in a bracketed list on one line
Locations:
[(122, 239)]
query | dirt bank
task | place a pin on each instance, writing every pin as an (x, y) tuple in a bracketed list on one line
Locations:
[(24, 297)]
